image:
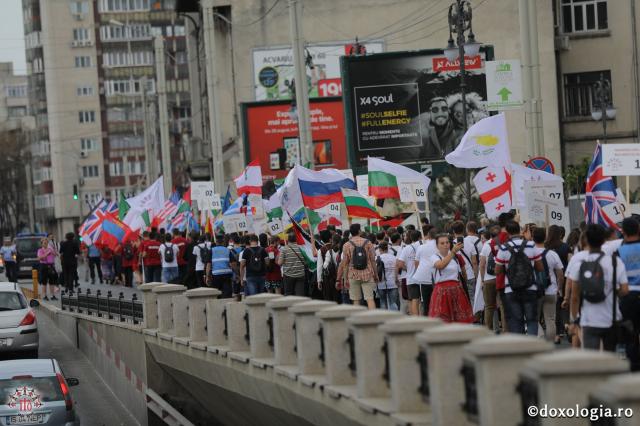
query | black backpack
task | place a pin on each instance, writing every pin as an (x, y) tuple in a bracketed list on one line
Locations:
[(543, 278), (519, 269), (591, 281), (205, 253), (255, 263), (169, 255), (127, 252), (359, 257), (382, 273), (491, 260)]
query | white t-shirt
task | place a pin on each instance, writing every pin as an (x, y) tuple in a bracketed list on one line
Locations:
[(398, 251), (175, 249), (610, 247), (600, 314), (485, 252), (424, 272), (196, 252), (554, 263), (408, 256), (576, 259), (504, 255), (389, 261), (471, 252), (449, 273)]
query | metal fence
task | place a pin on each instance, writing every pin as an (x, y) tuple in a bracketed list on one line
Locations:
[(109, 307)]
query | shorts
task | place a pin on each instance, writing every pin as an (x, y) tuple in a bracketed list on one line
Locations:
[(272, 284), (359, 289), (413, 291)]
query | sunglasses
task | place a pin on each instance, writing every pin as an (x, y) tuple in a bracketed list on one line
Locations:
[(436, 109)]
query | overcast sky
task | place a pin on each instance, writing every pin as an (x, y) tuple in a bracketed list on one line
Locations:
[(12, 35)]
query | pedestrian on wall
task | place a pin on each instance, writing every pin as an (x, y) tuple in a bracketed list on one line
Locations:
[(46, 270), (9, 255), (69, 253)]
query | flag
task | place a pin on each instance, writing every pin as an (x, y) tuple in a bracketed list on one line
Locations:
[(393, 221), (330, 220), (273, 206), (113, 232), (169, 209), (322, 187), (303, 240), (484, 145), (314, 219), (236, 207), (187, 195), (494, 186), (91, 227), (383, 182), (601, 205), (226, 202), (250, 181), (521, 174), (123, 206), (358, 206), (292, 197), (145, 206)]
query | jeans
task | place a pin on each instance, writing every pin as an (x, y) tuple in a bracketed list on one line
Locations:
[(293, 286), (169, 274), (548, 309), (254, 285), (630, 308), (490, 302), (128, 276), (522, 308), (11, 271), (389, 299), (94, 263), (591, 337), (223, 283), (69, 274), (152, 273)]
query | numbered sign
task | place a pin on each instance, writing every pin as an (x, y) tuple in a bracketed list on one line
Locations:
[(362, 182), (235, 223), (411, 191), (210, 203), (559, 216), (551, 192), (333, 209), (621, 159), (275, 227), (201, 190)]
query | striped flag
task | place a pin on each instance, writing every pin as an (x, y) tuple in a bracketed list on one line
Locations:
[(601, 205), (495, 189), (383, 182), (358, 206), (303, 239), (250, 181)]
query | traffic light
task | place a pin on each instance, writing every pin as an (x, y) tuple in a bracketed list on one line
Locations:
[(75, 192)]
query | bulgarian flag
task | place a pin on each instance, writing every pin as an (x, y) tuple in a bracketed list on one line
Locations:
[(250, 181), (358, 206), (383, 182)]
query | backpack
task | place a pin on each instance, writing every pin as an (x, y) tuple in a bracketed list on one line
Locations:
[(519, 268), (591, 281), (359, 257), (380, 269), (491, 259), (169, 255), (205, 253), (543, 278), (127, 252), (255, 263)]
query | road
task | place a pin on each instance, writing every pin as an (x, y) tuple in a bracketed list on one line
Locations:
[(96, 405)]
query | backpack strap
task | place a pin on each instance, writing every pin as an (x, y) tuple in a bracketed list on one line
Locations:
[(614, 261)]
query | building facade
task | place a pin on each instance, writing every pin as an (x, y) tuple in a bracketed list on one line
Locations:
[(92, 79)]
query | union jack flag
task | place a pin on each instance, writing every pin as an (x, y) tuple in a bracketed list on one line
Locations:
[(92, 226), (600, 193)]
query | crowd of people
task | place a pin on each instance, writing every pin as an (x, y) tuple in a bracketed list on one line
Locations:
[(513, 277)]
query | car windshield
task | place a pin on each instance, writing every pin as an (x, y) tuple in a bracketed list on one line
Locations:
[(11, 301), (45, 388), (27, 245)]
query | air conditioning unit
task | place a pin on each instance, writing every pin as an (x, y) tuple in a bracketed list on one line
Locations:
[(81, 182), (84, 154), (562, 42), (78, 16), (75, 43)]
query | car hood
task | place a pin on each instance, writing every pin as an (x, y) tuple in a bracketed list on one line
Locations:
[(11, 319)]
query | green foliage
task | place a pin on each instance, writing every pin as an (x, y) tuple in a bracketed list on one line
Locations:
[(449, 197), (575, 176)]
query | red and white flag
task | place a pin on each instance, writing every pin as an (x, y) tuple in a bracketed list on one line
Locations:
[(494, 186), (250, 181)]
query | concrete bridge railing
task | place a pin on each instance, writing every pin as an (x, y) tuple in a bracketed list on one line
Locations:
[(342, 363)]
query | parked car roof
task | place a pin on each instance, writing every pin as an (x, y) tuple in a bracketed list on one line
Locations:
[(7, 286), (31, 367)]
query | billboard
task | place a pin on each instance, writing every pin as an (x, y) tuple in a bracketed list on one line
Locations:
[(273, 70), (406, 107), (268, 130)]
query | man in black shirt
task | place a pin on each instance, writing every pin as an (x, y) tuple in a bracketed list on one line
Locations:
[(253, 264), (69, 252)]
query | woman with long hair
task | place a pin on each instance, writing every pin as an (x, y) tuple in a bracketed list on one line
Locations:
[(554, 242), (46, 270), (449, 301)]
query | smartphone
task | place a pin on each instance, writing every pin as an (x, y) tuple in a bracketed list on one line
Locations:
[(272, 255), (460, 240)]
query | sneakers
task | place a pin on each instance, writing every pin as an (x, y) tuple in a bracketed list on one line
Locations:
[(93, 282), (54, 298), (45, 298)]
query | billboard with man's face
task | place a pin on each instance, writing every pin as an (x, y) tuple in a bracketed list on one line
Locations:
[(406, 107)]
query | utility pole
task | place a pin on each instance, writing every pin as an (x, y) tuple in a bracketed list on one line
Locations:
[(302, 87), (165, 144), (148, 136), (211, 60)]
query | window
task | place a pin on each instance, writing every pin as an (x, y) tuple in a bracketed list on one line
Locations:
[(41, 147), (41, 174), (322, 152), (124, 5), (133, 31), (92, 198), (84, 90), (87, 116), (81, 34), (88, 144), (584, 15), (83, 61), (579, 92), (90, 171), (116, 168), (126, 142), (15, 112), (44, 201), (136, 167), (123, 58), (19, 91), (79, 7)]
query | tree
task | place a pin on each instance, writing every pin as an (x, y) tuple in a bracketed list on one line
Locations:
[(449, 196), (13, 197), (575, 176)]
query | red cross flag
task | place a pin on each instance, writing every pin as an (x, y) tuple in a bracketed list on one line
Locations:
[(494, 186)]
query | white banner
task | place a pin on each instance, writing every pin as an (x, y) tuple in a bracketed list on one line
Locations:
[(235, 223)]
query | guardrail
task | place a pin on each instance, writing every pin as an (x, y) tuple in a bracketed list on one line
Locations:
[(109, 307)]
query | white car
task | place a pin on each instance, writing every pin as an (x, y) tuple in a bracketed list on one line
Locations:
[(18, 325)]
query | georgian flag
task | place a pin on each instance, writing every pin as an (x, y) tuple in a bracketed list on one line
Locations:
[(494, 186)]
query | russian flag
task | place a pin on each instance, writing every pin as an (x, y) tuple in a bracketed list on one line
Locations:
[(322, 187)]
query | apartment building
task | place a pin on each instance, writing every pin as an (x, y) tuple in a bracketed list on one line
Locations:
[(92, 75)]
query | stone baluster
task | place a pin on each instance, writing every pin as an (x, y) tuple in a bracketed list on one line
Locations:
[(181, 319), (165, 295), (621, 395), (217, 326), (282, 326), (258, 324), (150, 305), (238, 329), (198, 298)]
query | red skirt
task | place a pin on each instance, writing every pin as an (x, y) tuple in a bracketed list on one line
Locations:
[(449, 303)]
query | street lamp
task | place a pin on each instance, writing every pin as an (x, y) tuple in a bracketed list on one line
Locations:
[(460, 17), (603, 108)]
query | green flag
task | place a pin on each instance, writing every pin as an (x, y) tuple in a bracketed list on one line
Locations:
[(314, 219), (123, 206), (146, 218)]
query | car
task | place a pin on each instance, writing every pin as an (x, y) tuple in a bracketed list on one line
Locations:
[(36, 392), (27, 246), (18, 324)]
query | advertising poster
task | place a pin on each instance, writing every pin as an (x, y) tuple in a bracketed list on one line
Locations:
[(267, 127), (273, 70), (406, 107)]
